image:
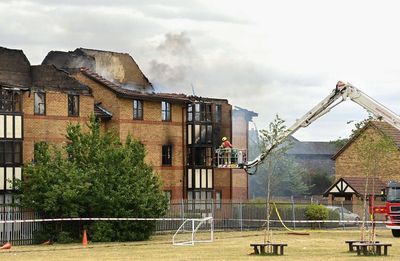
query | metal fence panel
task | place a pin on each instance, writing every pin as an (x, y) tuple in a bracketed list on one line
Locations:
[(228, 215)]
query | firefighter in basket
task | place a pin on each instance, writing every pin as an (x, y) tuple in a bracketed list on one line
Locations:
[(226, 151)]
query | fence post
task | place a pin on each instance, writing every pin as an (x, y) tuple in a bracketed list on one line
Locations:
[(212, 208), (293, 213), (241, 216), (342, 215), (182, 210)]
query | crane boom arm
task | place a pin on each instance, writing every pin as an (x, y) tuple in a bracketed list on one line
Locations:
[(343, 90)]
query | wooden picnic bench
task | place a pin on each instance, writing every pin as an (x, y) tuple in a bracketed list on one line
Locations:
[(377, 248), (351, 242), (277, 248)]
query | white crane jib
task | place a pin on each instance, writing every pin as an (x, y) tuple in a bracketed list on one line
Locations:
[(342, 90)]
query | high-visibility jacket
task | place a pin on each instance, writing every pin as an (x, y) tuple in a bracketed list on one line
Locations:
[(226, 144)]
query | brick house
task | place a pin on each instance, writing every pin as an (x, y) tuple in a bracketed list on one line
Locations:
[(350, 181), (346, 163), (179, 132)]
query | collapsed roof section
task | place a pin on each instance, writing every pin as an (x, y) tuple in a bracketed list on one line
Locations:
[(134, 94), (50, 77), (16, 72), (119, 68), (14, 68)]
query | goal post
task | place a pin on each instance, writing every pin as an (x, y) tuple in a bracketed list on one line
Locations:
[(194, 230)]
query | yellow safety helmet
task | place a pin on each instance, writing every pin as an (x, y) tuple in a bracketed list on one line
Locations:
[(224, 138)]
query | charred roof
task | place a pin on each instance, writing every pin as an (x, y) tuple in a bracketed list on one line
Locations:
[(71, 59), (50, 77), (14, 68), (119, 68), (133, 94)]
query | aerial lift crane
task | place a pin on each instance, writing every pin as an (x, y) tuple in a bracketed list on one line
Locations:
[(342, 92)]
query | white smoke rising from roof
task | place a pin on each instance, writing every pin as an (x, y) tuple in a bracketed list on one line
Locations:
[(176, 62)]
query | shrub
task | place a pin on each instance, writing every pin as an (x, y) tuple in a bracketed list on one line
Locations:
[(102, 231), (316, 212), (65, 237)]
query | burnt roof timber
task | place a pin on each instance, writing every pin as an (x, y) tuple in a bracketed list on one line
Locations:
[(125, 93)]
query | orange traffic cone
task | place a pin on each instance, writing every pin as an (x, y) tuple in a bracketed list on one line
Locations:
[(6, 246), (84, 239)]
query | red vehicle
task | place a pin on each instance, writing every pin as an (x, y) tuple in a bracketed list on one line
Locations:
[(392, 207)]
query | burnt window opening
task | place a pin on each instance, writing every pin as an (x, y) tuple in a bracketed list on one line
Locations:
[(167, 155), (165, 111), (10, 152), (199, 157), (137, 110), (199, 112), (10, 101), (40, 103), (203, 134), (218, 113), (73, 105), (203, 157), (190, 112)]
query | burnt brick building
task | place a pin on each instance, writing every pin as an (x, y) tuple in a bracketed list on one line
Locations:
[(180, 132)]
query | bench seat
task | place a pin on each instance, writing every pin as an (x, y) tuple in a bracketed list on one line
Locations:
[(363, 248), (272, 248)]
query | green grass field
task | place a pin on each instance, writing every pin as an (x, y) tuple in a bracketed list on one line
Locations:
[(319, 245)]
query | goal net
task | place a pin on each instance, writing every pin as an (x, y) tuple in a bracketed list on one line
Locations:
[(194, 230)]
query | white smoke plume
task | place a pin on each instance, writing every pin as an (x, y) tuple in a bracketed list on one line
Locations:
[(171, 72)]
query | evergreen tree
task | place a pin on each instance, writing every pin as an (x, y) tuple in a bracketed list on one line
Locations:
[(94, 175)]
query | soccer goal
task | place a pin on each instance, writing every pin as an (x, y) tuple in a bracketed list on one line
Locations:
[(194, 230)]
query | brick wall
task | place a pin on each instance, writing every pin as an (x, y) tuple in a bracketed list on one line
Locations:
[(151, 131), (222, 182), (154, 133), (52, 126), (239, 140), (348, 165), (108, 99)]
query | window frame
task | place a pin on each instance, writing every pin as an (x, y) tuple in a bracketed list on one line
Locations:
[(166, 155), (218, 113), (10, 101), (166, 111), (72, 113), (44, 104), (11, 149), (137, 106)]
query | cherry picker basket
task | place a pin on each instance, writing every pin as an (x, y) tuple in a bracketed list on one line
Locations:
[(230, 158)]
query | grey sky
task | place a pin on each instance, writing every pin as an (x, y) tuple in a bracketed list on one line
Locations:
[(272, 57)]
